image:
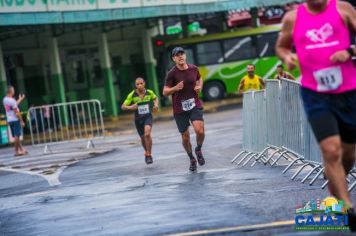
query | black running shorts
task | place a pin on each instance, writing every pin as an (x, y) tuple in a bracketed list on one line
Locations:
[(142, 122), (331, 114), (183, 119)]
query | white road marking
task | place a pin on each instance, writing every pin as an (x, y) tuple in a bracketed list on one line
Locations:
[(237, 228)]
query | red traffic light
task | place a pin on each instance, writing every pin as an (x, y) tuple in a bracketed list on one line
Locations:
[(159, 43)]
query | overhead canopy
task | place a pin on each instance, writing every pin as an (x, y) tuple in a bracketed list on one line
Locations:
[(35, 12)]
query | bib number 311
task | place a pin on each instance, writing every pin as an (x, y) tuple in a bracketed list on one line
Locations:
[(328, 79)]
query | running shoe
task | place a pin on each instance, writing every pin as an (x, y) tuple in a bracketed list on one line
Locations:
[(193, 165), (200, 157), (352, 219), (148, 160)]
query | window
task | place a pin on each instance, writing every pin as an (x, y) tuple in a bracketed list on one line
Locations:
[(266, 44), (209, 53), (239, 49)]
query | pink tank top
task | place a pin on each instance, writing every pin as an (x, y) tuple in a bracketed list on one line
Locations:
[(316, 38)]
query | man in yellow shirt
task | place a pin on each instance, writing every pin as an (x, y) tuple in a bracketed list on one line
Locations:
[(251, 81)]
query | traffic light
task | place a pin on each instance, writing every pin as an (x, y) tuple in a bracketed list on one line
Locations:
[(159, 43)]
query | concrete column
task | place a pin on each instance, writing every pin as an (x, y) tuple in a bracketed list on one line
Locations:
[(3, 80), (57, 77), (21, 88), (150, 62), (56, 71), (105, 62), (255, 18), (184, 22)]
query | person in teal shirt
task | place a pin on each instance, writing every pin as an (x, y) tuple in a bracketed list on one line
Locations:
[(141, 100)]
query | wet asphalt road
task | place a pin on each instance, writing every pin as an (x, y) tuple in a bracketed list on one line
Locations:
[(115, 193)]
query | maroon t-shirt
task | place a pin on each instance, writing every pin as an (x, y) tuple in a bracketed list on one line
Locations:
[(190, 77)]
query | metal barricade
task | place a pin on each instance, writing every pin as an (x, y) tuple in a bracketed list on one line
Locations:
[(274, 114), (259, 128), (292, 117), (276, 126), (247, 116), (260, 119), (272, 124), (313, 154), (255, 130), (66, 122)]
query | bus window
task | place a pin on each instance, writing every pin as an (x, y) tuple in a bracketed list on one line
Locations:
[(209, 53), (239, 49), (266, 44), (190, 55)]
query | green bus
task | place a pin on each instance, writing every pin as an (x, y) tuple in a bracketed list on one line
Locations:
[(222, 58)]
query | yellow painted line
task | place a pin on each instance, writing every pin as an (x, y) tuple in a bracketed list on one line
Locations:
[(237, 228)]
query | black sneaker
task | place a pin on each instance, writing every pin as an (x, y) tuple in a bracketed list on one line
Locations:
[(200, 157), (148, 160), (352, 219), (193, 165)]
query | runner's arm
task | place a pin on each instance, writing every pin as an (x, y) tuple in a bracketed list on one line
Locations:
[(130, 107), (167, 91), (200, 82), (351, 18), (262, 83), (348, 14), (155, 103), (199, 85), (128, 103), (242, 82), (285, 41), (169, 87), (290, 76), (154, 99)]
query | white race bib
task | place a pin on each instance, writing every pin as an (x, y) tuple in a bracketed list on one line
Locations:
[(188, 105), (143, 109), (328, 79)]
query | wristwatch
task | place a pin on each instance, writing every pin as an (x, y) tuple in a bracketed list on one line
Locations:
[(351, 51)]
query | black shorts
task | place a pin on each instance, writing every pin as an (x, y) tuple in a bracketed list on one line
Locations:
[(331, 114), (16, 129), (141, 122), (182, 119)]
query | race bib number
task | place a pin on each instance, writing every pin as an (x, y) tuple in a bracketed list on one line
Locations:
[(143, 109), (188, 105), (328, 79)]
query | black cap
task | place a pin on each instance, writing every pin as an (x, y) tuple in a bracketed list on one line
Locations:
[(177, 50)]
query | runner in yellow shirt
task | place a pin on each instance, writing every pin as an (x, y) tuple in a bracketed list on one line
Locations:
[(251, 81), (140, 100)]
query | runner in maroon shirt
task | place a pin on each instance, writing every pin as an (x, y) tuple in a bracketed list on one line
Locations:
[(184, 83)]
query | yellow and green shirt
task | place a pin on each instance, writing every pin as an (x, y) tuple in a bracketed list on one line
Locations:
[(144, 106), (251, 83)]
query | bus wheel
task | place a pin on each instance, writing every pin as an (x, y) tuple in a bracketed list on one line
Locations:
[(213, 91)]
